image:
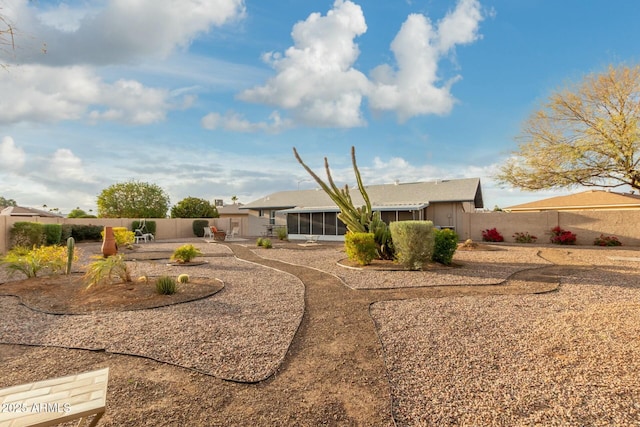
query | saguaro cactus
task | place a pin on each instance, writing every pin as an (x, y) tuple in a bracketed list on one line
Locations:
[(71, 244), (357, 219)]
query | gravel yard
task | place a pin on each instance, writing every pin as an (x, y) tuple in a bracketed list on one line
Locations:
[(567, 358)]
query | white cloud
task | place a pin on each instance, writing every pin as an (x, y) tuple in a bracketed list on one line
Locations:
[(42, 93), (315, 78), (413, 88), (235, 122), (12, 158), (121, 31), (66, 166)]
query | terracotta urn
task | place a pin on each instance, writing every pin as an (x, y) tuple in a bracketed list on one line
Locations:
[(109, 246)]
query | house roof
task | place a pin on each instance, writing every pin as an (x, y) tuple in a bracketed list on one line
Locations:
[(397, 196), (235, 209), (27, 212), (587, 200)]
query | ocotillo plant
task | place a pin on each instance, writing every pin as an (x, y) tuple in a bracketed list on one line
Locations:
[(362, 219), (71, 243)]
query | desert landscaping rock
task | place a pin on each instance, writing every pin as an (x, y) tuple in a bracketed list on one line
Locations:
[(538, 335)]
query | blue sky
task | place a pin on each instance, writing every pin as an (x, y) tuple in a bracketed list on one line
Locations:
[(207, 100)]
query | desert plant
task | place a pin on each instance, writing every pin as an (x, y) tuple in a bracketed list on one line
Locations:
[(607, 241), (360, 247), (524, 237), (71, 246), (357, 220), (282, 233), (413, 242), (562, 237), (165, 285), (492, 235), (445, 245), (198, 226), (52, 234), (31, 261), (27, 234), (185, 253), (107, 269), (266, 243), (123, 236), (183, 278), (259, 241)]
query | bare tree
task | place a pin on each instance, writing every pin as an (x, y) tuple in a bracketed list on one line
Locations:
[(584, 135)]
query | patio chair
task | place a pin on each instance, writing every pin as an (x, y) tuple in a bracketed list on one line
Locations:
[(234, 232), (208, 234), (142, 234)]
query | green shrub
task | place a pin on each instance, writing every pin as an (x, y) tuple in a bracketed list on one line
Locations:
[(52, 234), (149, 226), (82, 232), (360, 247), (259, 241), (27, 234), (198, 226), (413, 242), (266, 243), (166, 285), (30, 261), (185, 253), (183, 278), (524, 237), (282, 233), (445, 245), (107, 269)]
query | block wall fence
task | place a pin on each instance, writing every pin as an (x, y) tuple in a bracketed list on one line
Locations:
[(587, 225)]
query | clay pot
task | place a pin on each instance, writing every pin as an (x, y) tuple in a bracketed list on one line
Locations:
[(109, 246)]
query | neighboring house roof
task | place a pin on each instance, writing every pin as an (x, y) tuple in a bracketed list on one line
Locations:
[(235, 209), (27, 212), (587, 200), (400, 196)]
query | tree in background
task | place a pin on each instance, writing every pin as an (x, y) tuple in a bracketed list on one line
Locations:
[(133, 199), (193, 207), (585, 135), (79, 213), (7, 202)]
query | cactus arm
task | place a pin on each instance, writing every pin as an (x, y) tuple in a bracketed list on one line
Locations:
[(70, 254), (365, 196)]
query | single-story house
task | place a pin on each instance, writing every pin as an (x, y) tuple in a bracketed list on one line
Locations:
[(312, 212), (20, 211), (592, 200)]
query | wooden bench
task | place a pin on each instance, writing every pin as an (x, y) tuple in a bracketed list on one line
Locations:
[(54, 401)]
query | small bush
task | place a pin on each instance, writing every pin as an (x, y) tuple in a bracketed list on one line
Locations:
[(360, 247), (31, 261), (607, 241), (27, 234), (123, 236), (445, 245), (185, 253), (282, 233), (107, 269), (52, 234), (266, 243), (198, 226), (83, 232), (413, 242), (524, 237), (166, 285), (492, 235), (259, 241), (183, 278), (562, 237)]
